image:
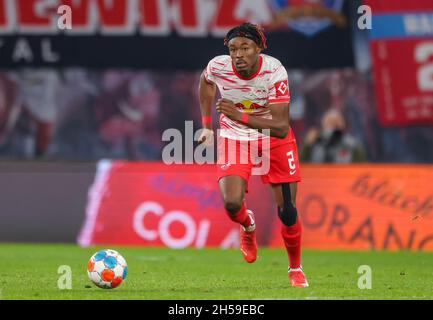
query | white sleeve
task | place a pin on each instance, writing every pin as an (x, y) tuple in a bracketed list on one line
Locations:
[(208, 74)]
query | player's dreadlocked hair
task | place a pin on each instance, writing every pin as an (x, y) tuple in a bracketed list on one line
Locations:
[(250, 31)]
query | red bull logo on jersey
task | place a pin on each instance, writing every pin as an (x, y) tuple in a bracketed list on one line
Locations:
[(307, 16), (247, 106)]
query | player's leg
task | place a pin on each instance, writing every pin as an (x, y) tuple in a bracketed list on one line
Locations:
[(284, 175), (291, 229), (233, 176), (233, 188), (285, 197)]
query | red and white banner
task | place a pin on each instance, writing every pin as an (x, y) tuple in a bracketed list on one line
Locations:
[(354, 207), (159, 17), (117, 33), (159, 205), (403, 74), (402, 50)]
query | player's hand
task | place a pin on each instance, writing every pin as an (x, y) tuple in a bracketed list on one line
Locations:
[(227, 107), (206, 137)]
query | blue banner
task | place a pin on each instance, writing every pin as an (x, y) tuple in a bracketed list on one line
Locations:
[(402, 25)]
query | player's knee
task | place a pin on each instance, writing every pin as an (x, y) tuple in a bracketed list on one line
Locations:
[(232, 206), (288, 214)]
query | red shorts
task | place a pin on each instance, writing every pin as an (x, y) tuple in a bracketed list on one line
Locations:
[(278, 163)]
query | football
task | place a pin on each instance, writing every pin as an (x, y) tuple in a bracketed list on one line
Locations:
[(107, 269)]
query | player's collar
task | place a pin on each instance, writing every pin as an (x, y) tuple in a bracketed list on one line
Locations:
[(252, 76)]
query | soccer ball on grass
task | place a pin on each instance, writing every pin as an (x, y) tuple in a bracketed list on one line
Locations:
[(107, 269)]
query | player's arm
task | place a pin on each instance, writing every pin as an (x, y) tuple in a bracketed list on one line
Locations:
[(206, 92), (278, 125)]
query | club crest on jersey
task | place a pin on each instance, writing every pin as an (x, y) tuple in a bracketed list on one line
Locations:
[(308, 16)]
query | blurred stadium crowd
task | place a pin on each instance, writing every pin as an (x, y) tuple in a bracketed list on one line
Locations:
[(108, 95), (77, 114)]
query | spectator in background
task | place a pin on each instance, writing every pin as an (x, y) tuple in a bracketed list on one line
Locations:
[(8, 108), (126, 113), (36, 102), (331, 144)]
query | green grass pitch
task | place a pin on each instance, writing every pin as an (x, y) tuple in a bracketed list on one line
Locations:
[(30, 271)]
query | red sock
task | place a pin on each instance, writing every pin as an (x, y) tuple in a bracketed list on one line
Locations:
[(292, 241), (241, 217)]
